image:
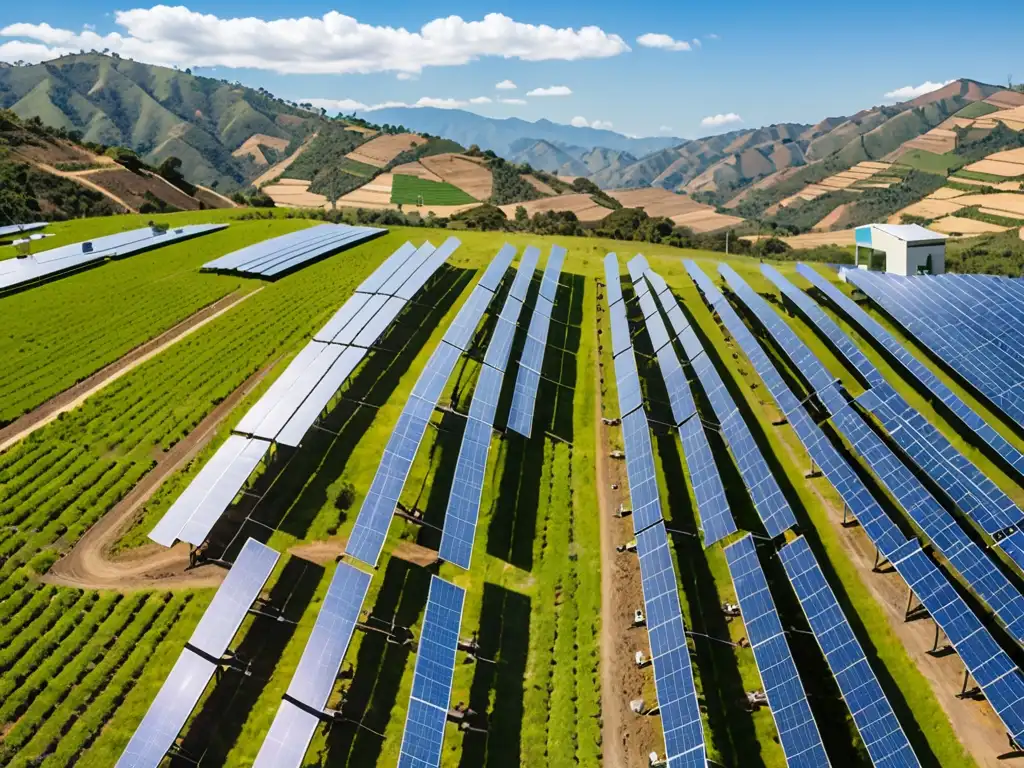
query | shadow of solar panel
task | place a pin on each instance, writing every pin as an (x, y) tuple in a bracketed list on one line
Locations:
[(670, 656), (318, 668), (881, 732), (989, 665), (168, 713), (432, 678), (234, 598), (612, 280), (195, 512), (798, 733), (68, 258), (916, 368)]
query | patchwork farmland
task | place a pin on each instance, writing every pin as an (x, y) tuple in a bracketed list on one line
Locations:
[(522, 500)]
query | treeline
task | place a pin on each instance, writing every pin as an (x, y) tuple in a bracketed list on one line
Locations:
[(28, 194)]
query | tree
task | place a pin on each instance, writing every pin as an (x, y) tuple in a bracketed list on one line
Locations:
[(522, 217)]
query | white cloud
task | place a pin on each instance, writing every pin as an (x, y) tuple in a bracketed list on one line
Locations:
[(712, 36), (908, 92), (517, 102), (714, 121), (554, 90), (506, 85), (334, 106), (582, 122), (405, 76), (332, 44), (665, 129), (664, 42), (480, 100)]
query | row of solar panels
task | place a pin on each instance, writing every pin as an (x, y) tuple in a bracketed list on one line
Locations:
[(17, 229), (24, 271), (294, 402), (375, 514), (991, 668), (799, 735), (974, 324), (277, 256)]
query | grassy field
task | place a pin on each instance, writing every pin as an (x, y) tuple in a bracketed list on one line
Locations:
[(976, 110), (533, 593), (411, 190), (929, 162)]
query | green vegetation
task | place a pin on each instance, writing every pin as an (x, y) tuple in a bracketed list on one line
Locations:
[(598, 195), (412, 190), (976, 110), (432, 146), (979, 176), (28, 194), (975, 212), (996, 254), (357, 168), (803, 215), (508, 185), (879, 204), (326, 153), (929, 162)]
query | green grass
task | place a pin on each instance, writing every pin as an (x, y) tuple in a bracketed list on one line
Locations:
[(929, 162), (412, 190), (357, 168), (533, 593), (979, 176), (976, 110)]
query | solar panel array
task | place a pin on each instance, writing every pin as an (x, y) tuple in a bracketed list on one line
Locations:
[(22, 272), (916, 368), (531, 362), (467, 485), (963, 554), (989, 665), (992, 669), (432, 678), (974, 324), (300, 394), (673, 674), (17, 229), (715, 516), (194, 668), (798, 733), (972, 491), (280, 255), (288, 738), (881, 732), (374, 518)]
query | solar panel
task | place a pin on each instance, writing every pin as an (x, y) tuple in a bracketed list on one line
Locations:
[(524, 395), (827, 326), (196, 511), (621, 339), (643, 481), (916, 368), (881, 732), (17, 229), (462, 330), (234, 597), (288, 738), (279, 255), (670, 656), (168, 713), (426, 270), (306, 414), (343, 329), (432, 678), (22, 272), (527, 266), (387, 268), (612, 280), (627, 381), (495, 271), (379, 323), (348, 312), (992, 669), (798, 733), (407, 269)]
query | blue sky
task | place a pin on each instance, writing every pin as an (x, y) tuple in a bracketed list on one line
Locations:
[(748, 63)]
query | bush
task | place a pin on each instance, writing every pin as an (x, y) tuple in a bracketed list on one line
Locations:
[(508, 186), (127, 158), (485, 218)]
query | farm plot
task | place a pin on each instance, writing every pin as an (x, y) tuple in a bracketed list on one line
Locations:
[(468, 174), (582, 205), (381, 150), (106, 312), (658, 202), (412, 190)]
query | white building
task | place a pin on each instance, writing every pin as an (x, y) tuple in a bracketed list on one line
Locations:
[(909, 249)]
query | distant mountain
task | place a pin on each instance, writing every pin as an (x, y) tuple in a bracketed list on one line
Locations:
[(159, 113), (546, 156), (498, 135)]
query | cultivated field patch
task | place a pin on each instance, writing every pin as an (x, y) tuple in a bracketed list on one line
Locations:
[(468, 174), (382, 150)]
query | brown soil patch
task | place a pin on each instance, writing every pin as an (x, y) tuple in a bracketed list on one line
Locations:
[(539, 185), (83, 179), (320, 552), (471, 177), (277, 169), (930, 209), (415, 169), (1006, 202), (1003, 186), (212, 199), (361, 129), (582, 205), (833, 219), (90, 565), (812, 239), (132, 188), (997, 168), (656, 201), (376, 192), (957, 225), (1006, 99), (77, 394), (1004, 214), (252, 147), (293, 193), (706, 221), (382, 150), (53, 152), (945, 193)]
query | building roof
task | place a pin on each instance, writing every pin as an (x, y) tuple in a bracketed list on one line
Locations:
[(910, 233)]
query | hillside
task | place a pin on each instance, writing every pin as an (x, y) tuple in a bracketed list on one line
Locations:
[(498, 135), (159, 113), (546, 156)]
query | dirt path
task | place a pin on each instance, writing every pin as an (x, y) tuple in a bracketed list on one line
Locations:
[(89, 564), (79, 177), (76, 395), (276, 170)]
